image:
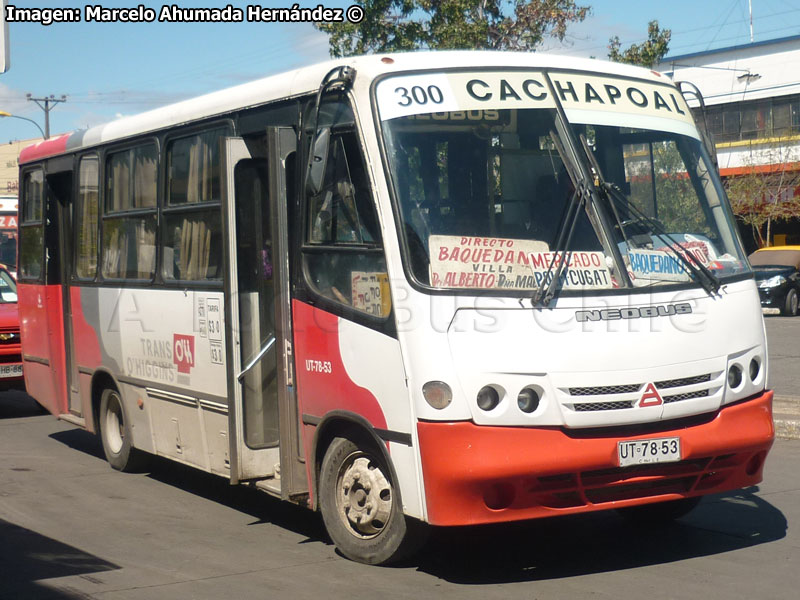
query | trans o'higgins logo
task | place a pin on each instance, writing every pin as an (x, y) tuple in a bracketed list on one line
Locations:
[(644, 312), (183, 352)]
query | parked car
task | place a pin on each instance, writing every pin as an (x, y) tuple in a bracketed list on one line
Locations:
[(10, 349), (777, 272)]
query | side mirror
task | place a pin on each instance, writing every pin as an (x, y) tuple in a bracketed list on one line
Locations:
[(318, 161)]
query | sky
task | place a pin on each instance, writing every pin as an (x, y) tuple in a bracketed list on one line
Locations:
[(110, 70)]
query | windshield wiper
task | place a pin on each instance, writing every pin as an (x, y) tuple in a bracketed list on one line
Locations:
[(547, 288), (693, 267)]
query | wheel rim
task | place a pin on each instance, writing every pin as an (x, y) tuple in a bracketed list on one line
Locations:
[(364, 496), (793, 304), (114, 425)]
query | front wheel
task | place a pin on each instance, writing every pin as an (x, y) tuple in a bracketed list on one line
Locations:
[(115, 433), (361, 507), (790, 304)]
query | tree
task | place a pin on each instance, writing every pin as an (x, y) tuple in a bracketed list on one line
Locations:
[(646, 54), (767, 191), (397, 25)]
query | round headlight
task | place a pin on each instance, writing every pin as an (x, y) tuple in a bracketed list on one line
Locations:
[(528, 400), (488, 398), (438, 394), (735, 376), (755, 369)]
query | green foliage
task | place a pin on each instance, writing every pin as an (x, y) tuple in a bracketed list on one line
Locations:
[(398, 25), (646, 54)]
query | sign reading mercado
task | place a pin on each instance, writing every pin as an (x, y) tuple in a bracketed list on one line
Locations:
[(497, 263)]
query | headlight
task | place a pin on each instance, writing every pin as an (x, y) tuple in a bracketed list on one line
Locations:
[(438, 394), (772, 282)]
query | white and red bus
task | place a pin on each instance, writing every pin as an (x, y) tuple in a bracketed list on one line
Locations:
[(444, 288), (8, 232)]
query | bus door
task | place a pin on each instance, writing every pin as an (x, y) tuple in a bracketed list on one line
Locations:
[(262, 423), (59, 270)]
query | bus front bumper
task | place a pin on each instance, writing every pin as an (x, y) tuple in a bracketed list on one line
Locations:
[(478, 474)]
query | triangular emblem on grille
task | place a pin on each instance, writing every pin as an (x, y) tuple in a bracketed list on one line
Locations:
[(651, 397)]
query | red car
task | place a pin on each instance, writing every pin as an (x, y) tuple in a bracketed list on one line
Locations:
[(10, 349)]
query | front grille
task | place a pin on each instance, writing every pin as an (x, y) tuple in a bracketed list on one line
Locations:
[(671, 383), (622, 390), (9, 337), (605, 390), (587, 488), (594, 406), (686, 396), (10, 358)]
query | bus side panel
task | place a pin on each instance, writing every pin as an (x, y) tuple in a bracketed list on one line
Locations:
[(86, 346), (42, 330), (342, 366)]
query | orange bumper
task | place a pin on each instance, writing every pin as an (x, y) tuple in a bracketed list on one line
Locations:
[(477, 474)]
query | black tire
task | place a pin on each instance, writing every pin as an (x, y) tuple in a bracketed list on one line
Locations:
[(790, 303), (660, 512), (115, 433), (361, 506)]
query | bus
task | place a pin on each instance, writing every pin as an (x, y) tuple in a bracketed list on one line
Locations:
[(404, 290), (8, 232)]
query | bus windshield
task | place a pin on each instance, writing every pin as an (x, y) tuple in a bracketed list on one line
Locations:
[(487, 195)]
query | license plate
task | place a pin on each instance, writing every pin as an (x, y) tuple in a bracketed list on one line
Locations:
[(11, 370), (644, 452)]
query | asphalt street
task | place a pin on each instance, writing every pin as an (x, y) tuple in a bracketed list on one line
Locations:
[(73, 529)]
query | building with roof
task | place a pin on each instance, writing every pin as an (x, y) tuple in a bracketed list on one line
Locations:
[(9, 165), (751, 95)]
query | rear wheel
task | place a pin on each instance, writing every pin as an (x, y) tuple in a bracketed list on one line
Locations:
[(115, 432), (790, 304), (660, 512), (361, 507)]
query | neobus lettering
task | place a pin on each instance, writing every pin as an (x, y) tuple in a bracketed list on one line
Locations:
[(615, 314)]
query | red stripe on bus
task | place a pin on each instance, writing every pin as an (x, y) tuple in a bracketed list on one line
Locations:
[(51, 147)]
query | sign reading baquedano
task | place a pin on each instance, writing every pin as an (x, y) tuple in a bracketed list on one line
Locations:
[(447, 92), (502, 263)]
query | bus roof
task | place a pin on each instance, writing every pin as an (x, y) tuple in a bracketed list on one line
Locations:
[(307, 80)]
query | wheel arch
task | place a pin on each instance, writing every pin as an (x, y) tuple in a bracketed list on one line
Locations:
[(101, 379), (354, 427)]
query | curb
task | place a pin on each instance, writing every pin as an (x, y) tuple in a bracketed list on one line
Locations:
[(787, 429), (786, 415)]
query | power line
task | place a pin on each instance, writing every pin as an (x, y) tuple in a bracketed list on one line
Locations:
[(45, 105)]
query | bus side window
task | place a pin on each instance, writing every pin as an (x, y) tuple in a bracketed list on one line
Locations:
[(86, 211), (343, 253), (31, 259)]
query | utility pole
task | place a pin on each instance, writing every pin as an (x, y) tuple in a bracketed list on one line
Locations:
[(45, 105)]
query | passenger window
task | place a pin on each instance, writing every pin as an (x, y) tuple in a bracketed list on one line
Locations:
[(86, 219), (31, 244), (193, 223), (129, 238), (343, 253)]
